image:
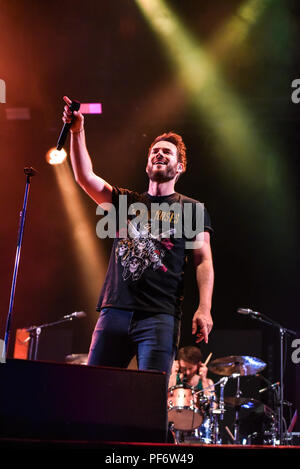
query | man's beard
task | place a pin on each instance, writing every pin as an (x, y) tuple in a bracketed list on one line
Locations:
[(166, 175)]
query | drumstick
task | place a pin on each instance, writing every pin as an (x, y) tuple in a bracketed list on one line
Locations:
[(229, 433), (208, 358), (206, 361)]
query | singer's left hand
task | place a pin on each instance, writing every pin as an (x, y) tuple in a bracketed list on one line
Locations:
[(202, 319)]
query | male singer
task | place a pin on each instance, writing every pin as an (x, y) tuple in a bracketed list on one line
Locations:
[(140, 302)]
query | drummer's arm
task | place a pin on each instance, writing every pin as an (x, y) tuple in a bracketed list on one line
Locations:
[(174, 371), (208, 383), (172, 380)]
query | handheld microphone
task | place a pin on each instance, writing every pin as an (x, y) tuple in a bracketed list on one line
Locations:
[(77, 314), (74, 106)]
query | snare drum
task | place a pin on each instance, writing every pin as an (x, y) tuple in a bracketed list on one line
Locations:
[(183, 410)]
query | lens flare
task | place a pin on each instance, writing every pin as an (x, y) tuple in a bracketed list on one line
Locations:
[(55, 157)]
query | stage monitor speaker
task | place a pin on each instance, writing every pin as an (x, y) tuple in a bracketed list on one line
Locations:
[(43, 400)]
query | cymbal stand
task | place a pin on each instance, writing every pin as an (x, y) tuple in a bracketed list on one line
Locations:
[(216, 413), (236, 426), (221, 400), (214, 421)]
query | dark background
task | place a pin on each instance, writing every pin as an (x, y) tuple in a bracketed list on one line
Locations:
[(106, 51)]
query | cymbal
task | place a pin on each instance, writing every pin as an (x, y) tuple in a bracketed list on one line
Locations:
[(246, 402), (77, 358), (244, 365)]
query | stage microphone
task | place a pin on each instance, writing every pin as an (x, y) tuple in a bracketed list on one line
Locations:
[(247, 311), (77, 314), (74, 106), (271, 386)]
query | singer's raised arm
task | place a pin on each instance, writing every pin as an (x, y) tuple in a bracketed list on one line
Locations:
[(98, 189)]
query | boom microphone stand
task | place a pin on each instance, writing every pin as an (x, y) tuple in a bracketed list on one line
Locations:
[(35, 332), (29, 172), (282, 333)]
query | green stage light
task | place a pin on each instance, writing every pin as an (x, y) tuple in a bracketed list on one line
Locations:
[(243, 152), (237, 29), (222, 110)]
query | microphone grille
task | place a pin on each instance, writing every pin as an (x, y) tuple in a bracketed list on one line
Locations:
[(244, 310), (80, 314)]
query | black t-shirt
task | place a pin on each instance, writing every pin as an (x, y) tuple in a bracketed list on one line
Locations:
[(146, 266)]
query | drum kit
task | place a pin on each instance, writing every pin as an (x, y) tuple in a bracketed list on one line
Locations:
[(195, 416)]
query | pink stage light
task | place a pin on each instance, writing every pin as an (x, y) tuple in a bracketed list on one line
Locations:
[(17, 113), (91, 108)]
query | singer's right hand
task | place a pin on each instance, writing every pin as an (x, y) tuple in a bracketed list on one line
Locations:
[(78, 119)]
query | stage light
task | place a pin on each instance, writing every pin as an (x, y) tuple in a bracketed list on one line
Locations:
[(234, 33), (213, 99), (17, 113), (55, 157), (242, 150), (91, 258), (242, 153), (91, 108)]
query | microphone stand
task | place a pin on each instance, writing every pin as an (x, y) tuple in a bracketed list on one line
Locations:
[(35, 332), (282, 333), (29, 172)]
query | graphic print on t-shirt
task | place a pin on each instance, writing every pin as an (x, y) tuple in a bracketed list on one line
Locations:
[(142, 250), (147, 289)]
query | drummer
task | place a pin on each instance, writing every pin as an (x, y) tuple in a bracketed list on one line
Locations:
[(188, 370)]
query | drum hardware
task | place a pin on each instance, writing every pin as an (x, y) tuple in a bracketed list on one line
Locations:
[(254, 422), (245, 402), (222, 381), (77, 358), (237, 402), (229, 433), (234, 367), (271, 436), (192, 416), (259, 425), (283, 333), (215, 416), (236, 425), (208, 432), (200, 435)]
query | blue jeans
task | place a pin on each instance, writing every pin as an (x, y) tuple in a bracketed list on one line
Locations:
[(120, 334)]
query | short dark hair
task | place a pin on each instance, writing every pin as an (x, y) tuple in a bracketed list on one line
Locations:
[(190, 354), (178, 142)]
